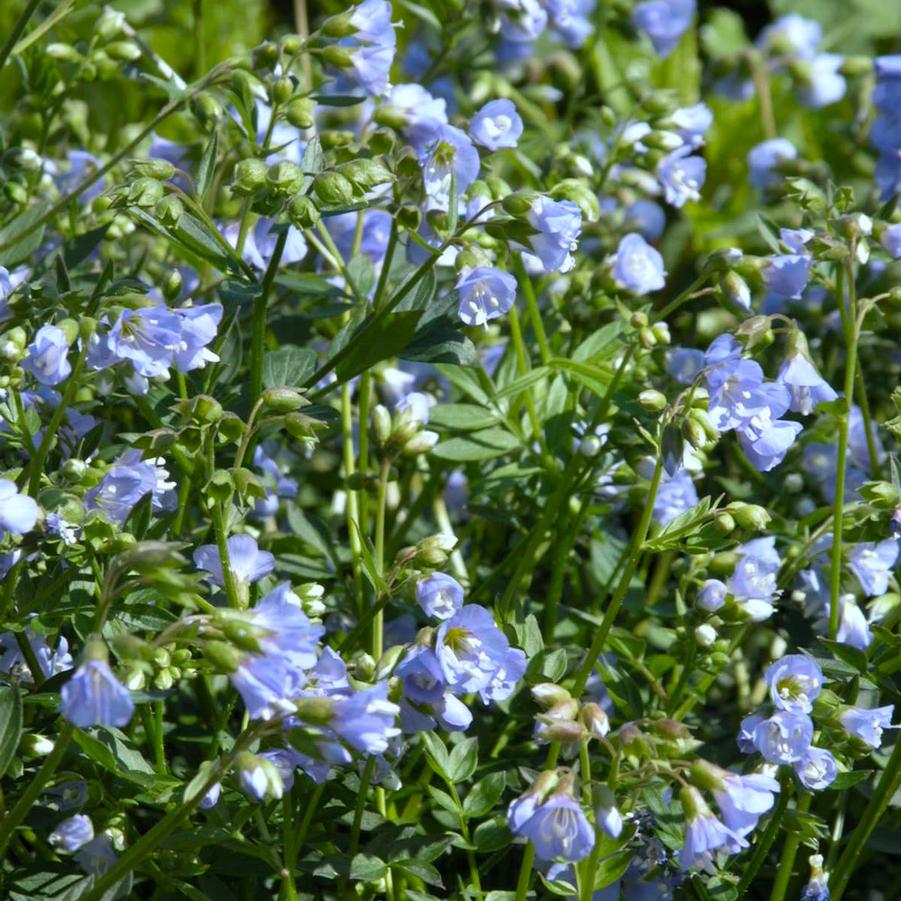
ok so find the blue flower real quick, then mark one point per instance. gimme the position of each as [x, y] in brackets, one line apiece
[496, 125]
[147, 338]
[637, 266]
[675, 496]
[765, 159]
[423, 678]
[522, 20]
[18, 512]
[72, 833]
[47, 358]
[816, 769]
[692, 123]
[890, 240]
[704, 833]
[744, 799]
[511, 668]
[557, 827]
[470, 648]
[451, 713]
[5, 290]
[753, 582]
[787, 275]
[745, 738]
[784, 737]
[439, 595]
[259, 776]
[766, 441]
[867, 725]
[97, 856]
[570, 19]
[712, 595]
[682, 176]
[557, 224]
[421, 113]
[94, 697]
[126, 483]
[664, 22]
[853, 628]
[211, 798]
[794, 682]
[823, 82]
[366, 719]
[373, 45]
[872, 563]
[246, 561]
[451, 155]
[793, 35]
[817, 889]
[647, 218]
[805, 385]
[485, 293]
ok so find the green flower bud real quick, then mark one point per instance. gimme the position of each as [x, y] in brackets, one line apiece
[207, 409]
[381, 141]
[173, 283]
[381, 425]
[338, 26]
[409, 217]
[694, 434]
[206, 108]
[162, 170]
[284, 399]
[652, 400]
[145, 192]
[333, 189]
[339, 57]
[647, 338]
[249, 177]
[285, 177]
[581, 194]
[519, 203]
[127, 51]
[420, 443]
[265, 56]
[282, 90]
[65, 52]
[724, 522]
[299, 112]
[292, 43]
[110, 24]
[639, 320]
[303, 212]
[365, 174]
[70, 329]
[169, 211]
[749, 516]
[547, 694]
[231, 428]
[705, 635]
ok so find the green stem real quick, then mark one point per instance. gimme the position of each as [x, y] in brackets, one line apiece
[365, 781]
[528, 289]
[869, 427]
[258, 347]
[789, 852]
[23, 806]
[524, 367]
[838, 509]
[147, 844]
[16, 33]
[228, 577]
[381, 509]
[352, 511]
[886, 788]
[464, 830]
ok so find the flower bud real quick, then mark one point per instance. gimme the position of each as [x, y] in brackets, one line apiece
[420, 443]
[563, 730]
[173, 283]
[333, 189]
[595, 719]
[282, 90]
[724, 522]
[303, 212]
[547, 694]
[284, 399]
[652, 400]
[381, 425]
[705, 635]
[433, 552]
[65, 52]
[109, 24]
[265, 56]
[285, 177]
[249, 177]
[299, 112]
[518, 203]
[579, 193]
[365, 174]
[694, 434]
[145, 192]
[339, 57]
[169, 211]
[206, 108]
[749, 516]
[223, 656]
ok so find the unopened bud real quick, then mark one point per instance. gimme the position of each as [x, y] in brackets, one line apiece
[652, 400]
[299, 112]
[249, 177]
[705, 635]
[595, 719]
[547, 694]
[284, 399]
[333, 189]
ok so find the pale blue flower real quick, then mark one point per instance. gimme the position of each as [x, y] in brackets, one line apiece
[470, 648]
[792, 34]
[784, 737]
[570, 18]
[449, 157]
[823, 82]
[764, 160]
[682, 175]
[744, 799]
[557, 224]
[439, 595]
[868, 724]
[664, 22]
[72, 833]
[704, 833]
[805, 385]
[794, 682]
[557, 828]
[496, 125]
[816, 769]
[47, 358]
[486, 293]
[890, 240]
[366, 719]
[872, 564]
[18, 512]
[638, 267]
[373, 45]
[94, 697]
[246, 561]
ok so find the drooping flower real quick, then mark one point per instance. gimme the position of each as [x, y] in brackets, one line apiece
[18, 512]
[764, 160]
[496, 125]
[47, 358]
[259, 776]
[890, 240]
[805, 385]
[753, 581]
[664, 22]
[853, 628]
[95, 697]
[744, 799]
[794, 682]
[637, 266]
[822, 81]
[712, 595]
[570, 19]
[439, 595]
[126, 483]
[555, 823]
[372, 45]
[816, 769]
[245, 559]
[72, 833]
[676, 495]
[867, 725]
[872, 563]
[366, 719]
[470, 647]
[704, 833]
[817, 889]
[557, 224]
[486, 292]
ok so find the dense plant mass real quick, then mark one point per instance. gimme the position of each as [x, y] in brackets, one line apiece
[448, 449]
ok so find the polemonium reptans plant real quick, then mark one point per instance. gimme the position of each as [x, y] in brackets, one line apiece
[449, 450]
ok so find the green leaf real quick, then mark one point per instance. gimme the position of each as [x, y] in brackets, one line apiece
[483, 445]
[463, 760]
[377, 340]
[436, 754]
[366, 868]
[421, 870]
[846, 780]
[10, 724]
[484, 795]
[492, 835]
[207, 168]
[75, 250]
[462, 417]
[844, 652]
[288, 366]
[20, 249]
[612, 868]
